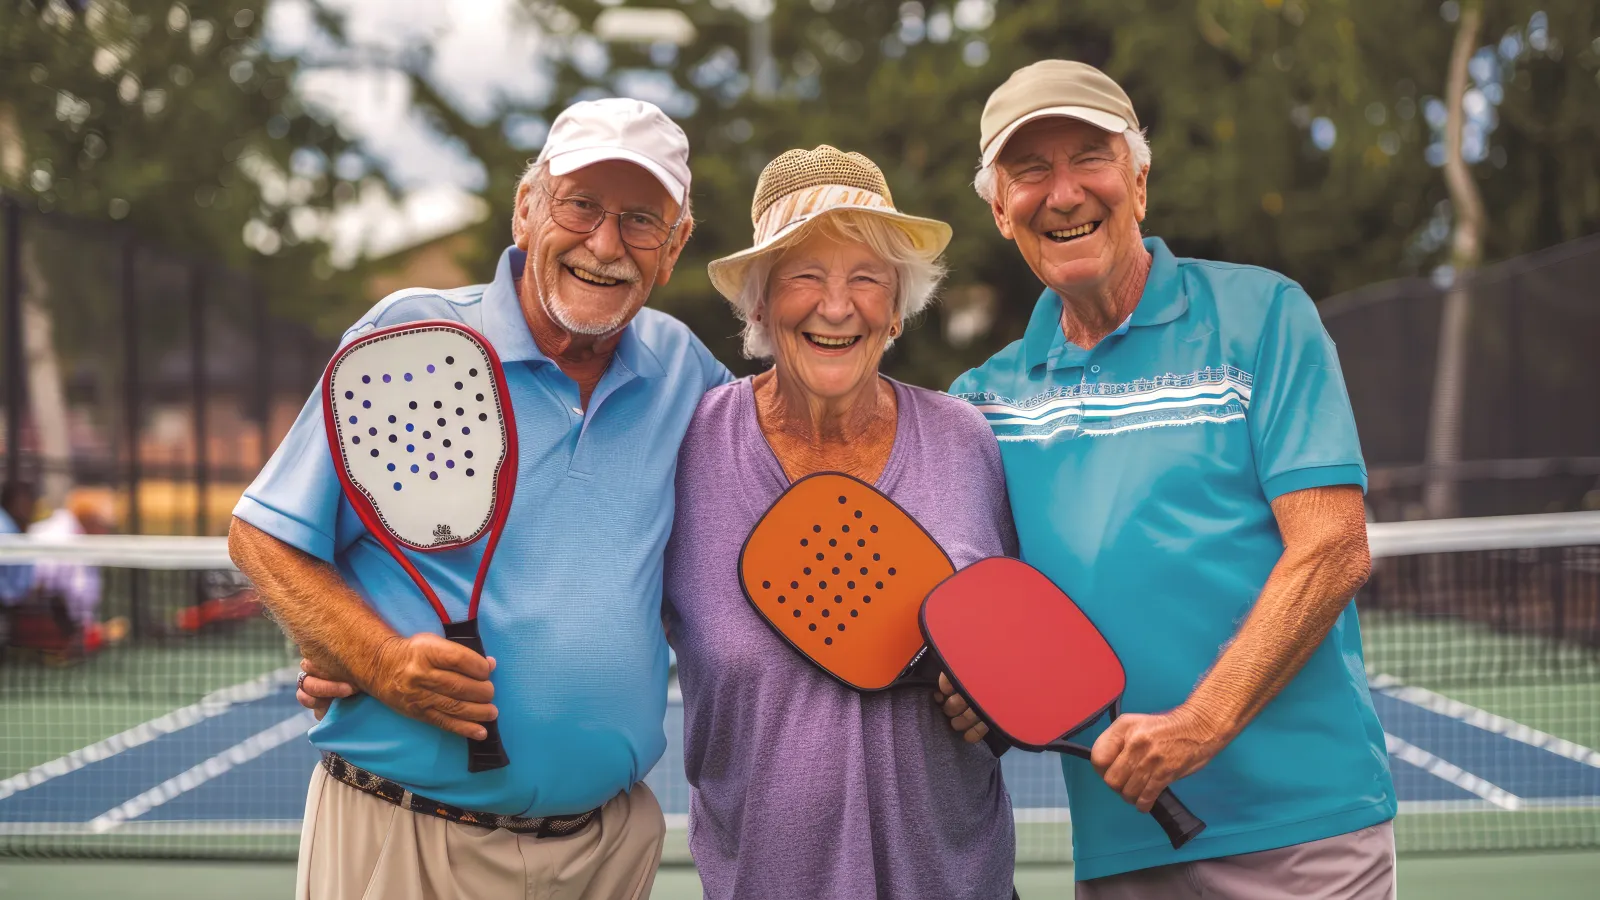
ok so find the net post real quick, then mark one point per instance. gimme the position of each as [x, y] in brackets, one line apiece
[15, 370]
[197, 386]
[263, 364]
[130, 415]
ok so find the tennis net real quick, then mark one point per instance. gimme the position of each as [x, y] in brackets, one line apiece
[169, 728]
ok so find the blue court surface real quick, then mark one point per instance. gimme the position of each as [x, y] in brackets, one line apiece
[238, 763]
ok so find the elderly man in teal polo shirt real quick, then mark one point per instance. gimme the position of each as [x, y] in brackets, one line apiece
[1182, 460]
[603, 391]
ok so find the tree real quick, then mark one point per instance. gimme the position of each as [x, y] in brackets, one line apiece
[171, 119]
[1290, 134]
[1466, 252]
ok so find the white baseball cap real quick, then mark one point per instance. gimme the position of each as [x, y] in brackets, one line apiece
[619, 128]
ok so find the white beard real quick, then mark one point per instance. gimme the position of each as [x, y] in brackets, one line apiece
[550, 298]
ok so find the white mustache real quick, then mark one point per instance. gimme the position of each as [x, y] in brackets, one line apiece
[621, 270]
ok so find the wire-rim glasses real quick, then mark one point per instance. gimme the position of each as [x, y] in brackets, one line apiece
[581, 215]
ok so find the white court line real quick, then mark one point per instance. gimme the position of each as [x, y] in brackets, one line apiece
[1484, 720]
[237, 755]
[158, 828]
[1452, 773]
[211, 705]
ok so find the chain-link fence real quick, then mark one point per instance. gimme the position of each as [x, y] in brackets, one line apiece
[1530, 424]
[148, 384]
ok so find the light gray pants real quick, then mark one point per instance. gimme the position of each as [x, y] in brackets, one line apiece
[1354, 866]
[355, 846]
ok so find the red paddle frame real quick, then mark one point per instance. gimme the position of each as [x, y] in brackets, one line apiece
[505, 472]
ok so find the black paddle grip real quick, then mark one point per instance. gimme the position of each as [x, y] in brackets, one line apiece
[997, 744]
[488, 753]
[1175, 819]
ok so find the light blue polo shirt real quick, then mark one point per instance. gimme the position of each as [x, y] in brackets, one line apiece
[1140, 474]
[572, 606]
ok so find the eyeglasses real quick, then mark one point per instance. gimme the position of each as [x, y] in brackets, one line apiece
[580, 215]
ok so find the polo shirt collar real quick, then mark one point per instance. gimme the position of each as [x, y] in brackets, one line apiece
[507, 328]
[1163, 301]
[1164, 298]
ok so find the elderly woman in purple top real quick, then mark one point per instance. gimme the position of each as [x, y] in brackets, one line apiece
[802, 788]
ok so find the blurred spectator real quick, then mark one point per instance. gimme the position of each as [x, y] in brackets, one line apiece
[75, 587]
[17, 502]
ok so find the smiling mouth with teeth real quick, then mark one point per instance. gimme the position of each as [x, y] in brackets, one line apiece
[832, 343]
[1072, 234]
[592, 278]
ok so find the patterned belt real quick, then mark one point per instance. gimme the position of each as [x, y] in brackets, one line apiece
[340, 769]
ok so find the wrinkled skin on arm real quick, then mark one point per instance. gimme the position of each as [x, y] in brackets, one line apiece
[349, 647]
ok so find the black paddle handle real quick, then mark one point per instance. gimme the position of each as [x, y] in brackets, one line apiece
[1175, 819]
[488, 753]
[997, 744]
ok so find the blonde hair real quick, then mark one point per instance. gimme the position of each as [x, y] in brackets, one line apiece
[917, 278]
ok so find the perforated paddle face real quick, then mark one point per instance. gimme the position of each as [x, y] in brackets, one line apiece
[421, 430]
[1021, 650]
[840, 571]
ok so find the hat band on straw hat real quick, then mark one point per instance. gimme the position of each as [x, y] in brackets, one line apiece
[795, 209]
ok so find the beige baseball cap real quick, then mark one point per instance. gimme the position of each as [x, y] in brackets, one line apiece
[1053, 87]
[620, 128]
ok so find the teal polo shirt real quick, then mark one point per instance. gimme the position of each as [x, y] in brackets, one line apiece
[571, 609]
[1141, 474]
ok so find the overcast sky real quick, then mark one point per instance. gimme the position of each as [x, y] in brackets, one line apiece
[481, 50]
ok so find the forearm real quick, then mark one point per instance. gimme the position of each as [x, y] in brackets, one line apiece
[1325, 561]
[332, 624]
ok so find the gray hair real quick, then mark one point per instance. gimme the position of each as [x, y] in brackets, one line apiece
[986, 181]
[917, 278]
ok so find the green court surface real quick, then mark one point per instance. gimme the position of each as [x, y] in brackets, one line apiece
[1549, 876]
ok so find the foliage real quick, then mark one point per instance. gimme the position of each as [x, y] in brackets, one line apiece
[170, 118]
[1240, 97]
[1296, 135]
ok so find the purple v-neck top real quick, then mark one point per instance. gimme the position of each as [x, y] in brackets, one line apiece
[800, 787]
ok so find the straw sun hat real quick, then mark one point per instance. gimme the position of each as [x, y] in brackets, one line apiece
[801, 186]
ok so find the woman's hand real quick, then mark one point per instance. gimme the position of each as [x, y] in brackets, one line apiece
[955, 706]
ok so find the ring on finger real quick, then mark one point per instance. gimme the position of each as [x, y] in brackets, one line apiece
[300, 682]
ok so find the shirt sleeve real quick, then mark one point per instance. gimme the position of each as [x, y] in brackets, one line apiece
[716, 373]
[296, 497]
[1302, 428]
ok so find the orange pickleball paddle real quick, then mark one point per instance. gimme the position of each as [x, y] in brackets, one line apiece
[840, 571]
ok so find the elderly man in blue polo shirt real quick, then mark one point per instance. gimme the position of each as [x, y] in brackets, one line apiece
[1182, 460]
[576, 671]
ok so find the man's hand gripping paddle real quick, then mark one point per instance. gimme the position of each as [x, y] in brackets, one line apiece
[424, 441]
[839, 571]
[1031, 664]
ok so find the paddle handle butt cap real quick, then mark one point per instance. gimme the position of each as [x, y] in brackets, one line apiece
[1175, 819]
[489, 753]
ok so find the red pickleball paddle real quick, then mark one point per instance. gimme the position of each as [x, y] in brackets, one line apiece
[1031, 664]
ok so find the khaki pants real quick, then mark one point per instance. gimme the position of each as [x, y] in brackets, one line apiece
[1354, 866]
[355, 846]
